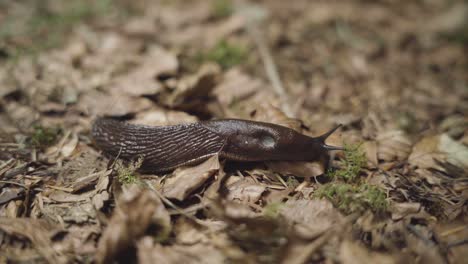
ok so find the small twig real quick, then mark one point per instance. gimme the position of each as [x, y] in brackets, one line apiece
[453, 231]
[173, 206]
[270, 67]
[458, 243]
[14, 183]
[281, 180]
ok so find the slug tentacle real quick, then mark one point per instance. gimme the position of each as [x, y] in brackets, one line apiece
[324, 137]
[164, 148]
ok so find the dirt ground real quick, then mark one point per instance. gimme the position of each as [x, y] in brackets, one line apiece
[394, 73]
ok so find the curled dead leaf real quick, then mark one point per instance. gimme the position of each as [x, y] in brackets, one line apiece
[353, 253]
[161, 117]
[441, 148]
[102, 104]
[245, 191]
[393, 145]
[192, 89]
[187, 179]
[149, 252]
[310, 218]
[137, 210]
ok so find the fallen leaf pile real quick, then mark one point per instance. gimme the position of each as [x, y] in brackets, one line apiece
[393, 73]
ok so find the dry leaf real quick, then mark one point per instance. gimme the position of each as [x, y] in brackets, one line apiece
[302, 169]
[101, 104]
[191, 89]
[149, 252]
[236, 86]
[245, 191]
[161, 117]
[310, 218]
[393, 145]
[441, 148]
[143, 79]
[137, 210]
[187, 179]
[353, 253]
[370, 149]
[400, 210]
[38, 232]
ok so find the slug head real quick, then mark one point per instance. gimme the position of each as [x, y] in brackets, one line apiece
[257, 141]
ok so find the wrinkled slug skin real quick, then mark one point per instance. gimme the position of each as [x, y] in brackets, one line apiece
[164, 148]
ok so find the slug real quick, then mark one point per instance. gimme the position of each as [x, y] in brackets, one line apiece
[164, 148]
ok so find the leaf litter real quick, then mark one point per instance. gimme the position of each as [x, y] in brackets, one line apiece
[398, 193]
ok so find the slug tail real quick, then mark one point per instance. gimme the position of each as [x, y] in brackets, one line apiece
[324, 137]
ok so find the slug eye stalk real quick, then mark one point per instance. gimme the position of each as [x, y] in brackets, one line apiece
[324, 137]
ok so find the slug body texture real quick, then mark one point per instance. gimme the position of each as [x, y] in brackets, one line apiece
[164, 148]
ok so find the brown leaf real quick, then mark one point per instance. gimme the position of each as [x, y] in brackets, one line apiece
[441, 148]
[160, 117]
[400, 210]
[271, 114]
[393, 145]
[236, 86]
[245, 190]
[370, 149]
[101, 104]
[149, 252]
[38, 232]
[353, 253]
[187, 179]
[191, 89]
[310, 218]
[137, 210]
[142, 80]
[302, 169]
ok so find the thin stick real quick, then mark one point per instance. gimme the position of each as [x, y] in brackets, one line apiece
[173, 206]
[270, 67]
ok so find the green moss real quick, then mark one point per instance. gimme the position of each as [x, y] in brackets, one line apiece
[225, 54]
[43, 137]
[127, 174]
[272, 210]
[354, 198]
[222, 8]
[46, 28]
[292, 182]
[351, 165]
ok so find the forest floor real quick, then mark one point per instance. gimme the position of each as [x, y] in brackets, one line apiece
[394, 73]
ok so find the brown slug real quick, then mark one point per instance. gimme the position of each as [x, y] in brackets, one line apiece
[164, 148]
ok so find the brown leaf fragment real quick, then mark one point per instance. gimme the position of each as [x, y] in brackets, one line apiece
[393, 145]
[98, 103]
[142, 80]
[193, 88]
[161, 117]
[400, 210]
[187, 179]
[353, 253]
[441, 148]
[38, 232]
[454, 235]
[8, 194]
[370, 149]
[137, 210]
[302, 169]
[236, 86]
[267, 112]
[148, 253]
[310, 218]
[245, 191]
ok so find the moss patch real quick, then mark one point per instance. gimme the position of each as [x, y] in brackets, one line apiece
[126, 174]
[225, 54]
